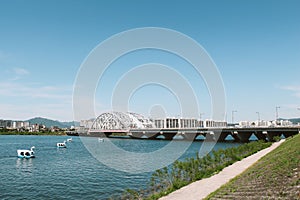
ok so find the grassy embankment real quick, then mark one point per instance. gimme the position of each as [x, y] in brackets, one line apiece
[181, 173]
[275, 176]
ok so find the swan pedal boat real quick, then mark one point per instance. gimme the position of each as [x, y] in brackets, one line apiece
[61, 145]
[26, 153]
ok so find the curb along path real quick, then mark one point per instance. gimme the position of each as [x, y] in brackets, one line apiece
[202, 188]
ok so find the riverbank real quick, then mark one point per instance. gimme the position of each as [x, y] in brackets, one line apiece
[200, 189]
[275, 176]
[33, 133]
[182, 173]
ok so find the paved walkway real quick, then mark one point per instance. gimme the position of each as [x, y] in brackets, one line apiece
[202, 188]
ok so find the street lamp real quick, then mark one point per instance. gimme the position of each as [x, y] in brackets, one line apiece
[277, 107]
[258, 115]
[201, 114]
[232, 115]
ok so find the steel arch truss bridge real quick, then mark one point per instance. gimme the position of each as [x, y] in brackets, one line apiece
[110, 122]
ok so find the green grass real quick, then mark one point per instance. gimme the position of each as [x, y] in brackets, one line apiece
[181, 173]
[275, 176]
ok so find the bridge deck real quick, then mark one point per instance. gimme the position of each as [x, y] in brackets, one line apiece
[240, 134]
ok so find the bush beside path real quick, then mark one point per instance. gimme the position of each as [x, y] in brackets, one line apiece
[275, 176]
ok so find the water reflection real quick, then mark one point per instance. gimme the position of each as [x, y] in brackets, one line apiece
[24, 165]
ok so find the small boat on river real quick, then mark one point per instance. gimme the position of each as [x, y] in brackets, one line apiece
[69, 140]
[61, 145]
[26, 153]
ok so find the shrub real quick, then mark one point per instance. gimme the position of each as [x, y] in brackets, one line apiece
[181, 173]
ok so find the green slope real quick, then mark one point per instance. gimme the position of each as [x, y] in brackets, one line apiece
[275, 176]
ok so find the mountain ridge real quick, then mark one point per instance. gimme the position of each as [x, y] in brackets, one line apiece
[293, 120]
[49, 122]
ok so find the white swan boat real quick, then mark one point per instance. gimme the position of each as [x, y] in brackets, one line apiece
[61, 145]
[26, 153]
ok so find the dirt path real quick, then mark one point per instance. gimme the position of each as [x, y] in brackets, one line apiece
[202, 188]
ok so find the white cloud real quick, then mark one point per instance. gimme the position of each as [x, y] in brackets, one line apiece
[56, 111]
[14, 89]
[20, 71]
[26, 100]
[289, 110]
[293, 88]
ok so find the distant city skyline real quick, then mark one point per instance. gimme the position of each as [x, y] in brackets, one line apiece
[254, 44]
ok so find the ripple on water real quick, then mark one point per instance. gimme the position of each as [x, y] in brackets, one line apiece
[70, 173]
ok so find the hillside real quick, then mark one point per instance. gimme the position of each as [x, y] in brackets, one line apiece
[275, 176]
[293, 120]
[49, 122]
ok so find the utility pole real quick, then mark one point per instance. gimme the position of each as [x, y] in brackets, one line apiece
[232, 115]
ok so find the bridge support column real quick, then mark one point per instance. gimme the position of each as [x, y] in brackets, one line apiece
[221, 136]
[95, 134]
[152, 136]
[289, 134]
[189, 135]
[210, 136]
[107, 134]
[261, 135]
[241, 136]
[137, 135]
[169, 136]
[234, 134]
[272, 134]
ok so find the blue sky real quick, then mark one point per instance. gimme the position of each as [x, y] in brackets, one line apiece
[255, 45]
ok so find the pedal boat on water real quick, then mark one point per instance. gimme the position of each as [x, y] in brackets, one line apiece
[61, 145]
[26, 153]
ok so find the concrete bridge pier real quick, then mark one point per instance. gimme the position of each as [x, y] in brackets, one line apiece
[290, 133]
[96, 134]
[152, 136]
[137, 135]
[189, 135]
[107, 134]
[272, 134]
[210, 136]
[221, 135]
[169, 136]
[242, 136]
[261, 135]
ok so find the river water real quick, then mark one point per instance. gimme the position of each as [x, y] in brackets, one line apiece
[71, 173]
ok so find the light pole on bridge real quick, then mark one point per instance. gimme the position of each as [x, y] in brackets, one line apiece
[258, 115]
[200, 115]
[232, 115]
[277, 107]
